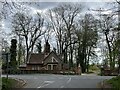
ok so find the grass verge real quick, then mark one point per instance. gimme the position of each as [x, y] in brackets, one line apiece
[115, 82]
[10, 83]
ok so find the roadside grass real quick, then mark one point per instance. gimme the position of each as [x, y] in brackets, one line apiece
[115, 82]
[7, 84]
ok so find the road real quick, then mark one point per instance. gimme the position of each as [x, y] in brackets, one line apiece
[61, 81]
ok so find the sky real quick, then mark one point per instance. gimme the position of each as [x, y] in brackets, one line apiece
[43, 6]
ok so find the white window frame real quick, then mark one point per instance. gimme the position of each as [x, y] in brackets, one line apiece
[33, 68]
[51, 66]
[38, 68]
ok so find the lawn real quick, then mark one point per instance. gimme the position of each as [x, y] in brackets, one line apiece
[115, 82]
[8, 84]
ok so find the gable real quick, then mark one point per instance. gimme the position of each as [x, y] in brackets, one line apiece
[52, 58]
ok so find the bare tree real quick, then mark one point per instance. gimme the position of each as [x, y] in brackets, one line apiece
[10, 7]
[58, 28]
[63, 18]
[110, 30]
[29, 28]
[107, 26]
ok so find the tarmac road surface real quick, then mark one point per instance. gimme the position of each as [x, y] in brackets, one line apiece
[61, 81]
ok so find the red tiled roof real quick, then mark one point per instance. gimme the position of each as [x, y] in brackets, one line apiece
[36, 58]
[39, 58]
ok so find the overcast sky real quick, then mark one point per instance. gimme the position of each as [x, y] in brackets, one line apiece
[42, 6]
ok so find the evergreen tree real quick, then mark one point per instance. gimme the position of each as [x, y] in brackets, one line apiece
[13, 53]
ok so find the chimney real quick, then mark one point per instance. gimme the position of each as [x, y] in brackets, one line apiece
[46, 48]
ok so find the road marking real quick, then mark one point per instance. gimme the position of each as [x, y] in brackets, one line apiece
[69, 80]
[39, 87]
[43, 85]
[49, 81]
[46, 83]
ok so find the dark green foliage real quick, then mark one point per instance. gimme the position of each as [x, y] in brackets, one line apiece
[115, 82]
[13, 53]
[20, 53]
[87, 38]
[7, 84]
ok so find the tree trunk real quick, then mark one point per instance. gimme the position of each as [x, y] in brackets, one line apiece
[110, 52]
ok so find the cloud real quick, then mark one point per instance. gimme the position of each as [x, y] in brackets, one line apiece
[41, 5]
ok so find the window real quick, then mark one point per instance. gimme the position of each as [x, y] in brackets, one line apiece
[35, 68]
[54, 67]
[32, 67]
[38, 68]
[49, 67]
